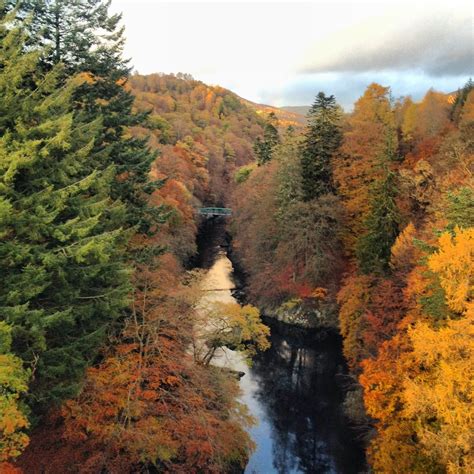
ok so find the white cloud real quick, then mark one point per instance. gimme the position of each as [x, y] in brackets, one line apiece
[438, 44]
[264, 50]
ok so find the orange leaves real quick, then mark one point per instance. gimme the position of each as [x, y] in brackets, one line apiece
[454, 264]
[172, 380]
[403, 253]
[382, 378]
[319, 293]
[356, 167]
[85, 77]
[353, 299]
[13, 383]
[7, 468]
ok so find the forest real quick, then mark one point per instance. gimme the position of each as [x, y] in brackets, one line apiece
[358, 222]
[365, 222]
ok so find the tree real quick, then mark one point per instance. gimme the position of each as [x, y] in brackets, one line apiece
[264, 147]
[13, 383]
[460, 100]
[440, 398]
[322, 139]
[353, 299]
[228, 325]
[309, 240]
[84, 38]
[374, 246]
[64, 279]
[452, 262]
[381, 225]
[147, 405]
[356, 165]
[460, 206]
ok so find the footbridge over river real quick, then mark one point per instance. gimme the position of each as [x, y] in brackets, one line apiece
[214, 211]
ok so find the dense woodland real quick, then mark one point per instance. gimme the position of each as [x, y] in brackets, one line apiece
[365, 222]
[101, 173]
[360, 221]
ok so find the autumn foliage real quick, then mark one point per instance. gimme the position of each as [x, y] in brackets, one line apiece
[401, 236]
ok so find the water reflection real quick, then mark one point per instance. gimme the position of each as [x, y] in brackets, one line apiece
[294, 389]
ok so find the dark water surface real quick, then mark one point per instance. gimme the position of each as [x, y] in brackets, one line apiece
[295, 390]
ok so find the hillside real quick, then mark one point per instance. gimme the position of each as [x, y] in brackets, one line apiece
[296, 109]
[211, 123]
[285, 116]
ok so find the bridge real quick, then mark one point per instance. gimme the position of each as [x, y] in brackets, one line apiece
[214, 211]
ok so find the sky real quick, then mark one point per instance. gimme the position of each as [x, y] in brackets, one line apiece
[284, 53]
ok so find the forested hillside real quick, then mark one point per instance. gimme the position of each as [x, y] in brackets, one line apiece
[365, 223]
[101, 175]
[202, 134]
[356, 223]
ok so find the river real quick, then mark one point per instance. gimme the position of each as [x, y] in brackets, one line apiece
[294, 390]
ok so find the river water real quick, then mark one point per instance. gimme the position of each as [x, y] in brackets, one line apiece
[294, 390]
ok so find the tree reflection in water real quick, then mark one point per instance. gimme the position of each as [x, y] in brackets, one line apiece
[299, 387]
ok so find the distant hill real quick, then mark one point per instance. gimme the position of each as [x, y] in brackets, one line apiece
[285, 117]
[203, 133]
[297, 109]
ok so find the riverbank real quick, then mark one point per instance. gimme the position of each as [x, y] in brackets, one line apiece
[295, 390]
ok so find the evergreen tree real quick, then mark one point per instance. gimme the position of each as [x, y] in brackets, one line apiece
[64, 279]
[81, 35]
[382, 223]
[264, 148]
[460, 99]
[323, 137]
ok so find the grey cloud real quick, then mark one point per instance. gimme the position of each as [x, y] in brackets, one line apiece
[435, 46]
[348, 88]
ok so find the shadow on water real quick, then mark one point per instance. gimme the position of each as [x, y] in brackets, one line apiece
[294, 390]
[212, 237]
[298, 397]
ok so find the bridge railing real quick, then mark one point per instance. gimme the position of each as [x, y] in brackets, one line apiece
[214, 211]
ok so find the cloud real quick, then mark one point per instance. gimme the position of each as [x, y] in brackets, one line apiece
[302, 89]
[432, 43]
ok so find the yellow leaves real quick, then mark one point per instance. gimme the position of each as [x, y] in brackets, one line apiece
[85, 77]
[453, 263]
[441, 396]
[229, 325]
[403, 250]
[13, 382]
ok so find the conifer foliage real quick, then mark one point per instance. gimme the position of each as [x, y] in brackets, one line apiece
[91, 302]
[74, 188]
[322, 138]
[264, 147]
[405, 299]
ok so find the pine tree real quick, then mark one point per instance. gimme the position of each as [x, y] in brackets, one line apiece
[264, 147]
[81, 35]
[64, 280]
[460, 99]
[373, 248]
[323, 137]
